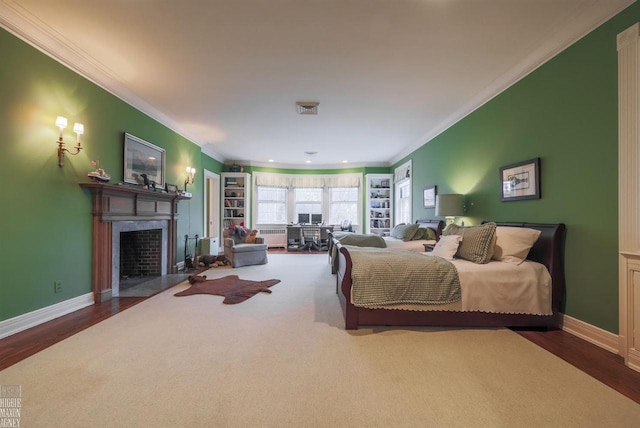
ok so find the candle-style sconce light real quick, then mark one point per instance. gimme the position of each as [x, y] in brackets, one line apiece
[189, 177]
[78, 128]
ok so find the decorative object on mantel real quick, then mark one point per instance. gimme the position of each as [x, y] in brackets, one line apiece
[99, 174]
[78, 128]
[143, 162]
[234, 289]
[520, 181]
[171, 188]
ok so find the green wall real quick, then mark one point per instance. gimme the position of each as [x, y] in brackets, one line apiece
[45, 223]
[565, 112]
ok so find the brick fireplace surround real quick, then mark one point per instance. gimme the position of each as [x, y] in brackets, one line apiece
[122, 208]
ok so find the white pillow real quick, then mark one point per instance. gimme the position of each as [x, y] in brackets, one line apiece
[513, 243]
[447, 246]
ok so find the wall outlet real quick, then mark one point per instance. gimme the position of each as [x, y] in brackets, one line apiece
[57, 286]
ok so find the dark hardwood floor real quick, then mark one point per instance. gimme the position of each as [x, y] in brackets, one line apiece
[605, 366]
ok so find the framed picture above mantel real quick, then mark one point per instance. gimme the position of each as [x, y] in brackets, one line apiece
[143, 160]
[520, 181]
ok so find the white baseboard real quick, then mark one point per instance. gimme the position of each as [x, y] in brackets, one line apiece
[591, 333]
[39, 316]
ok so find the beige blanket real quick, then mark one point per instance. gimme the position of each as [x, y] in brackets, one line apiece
[389, 277]
[497, 287]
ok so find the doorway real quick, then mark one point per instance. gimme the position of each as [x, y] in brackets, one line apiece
[211, 205]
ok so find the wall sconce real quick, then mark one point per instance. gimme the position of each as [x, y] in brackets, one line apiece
[189, 178]
[449, 206]
[78, 128]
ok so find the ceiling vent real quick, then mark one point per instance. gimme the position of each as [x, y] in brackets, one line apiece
[305, 107]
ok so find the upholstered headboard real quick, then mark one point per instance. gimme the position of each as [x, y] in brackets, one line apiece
[436, 225]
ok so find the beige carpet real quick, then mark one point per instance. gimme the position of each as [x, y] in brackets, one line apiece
[284, 360]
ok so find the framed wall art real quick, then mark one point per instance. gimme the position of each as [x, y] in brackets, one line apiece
[141, 159]
[520, 181]
[171, 188]
[429, 196]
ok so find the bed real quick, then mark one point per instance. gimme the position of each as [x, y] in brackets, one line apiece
[546, 254]
[436, 226]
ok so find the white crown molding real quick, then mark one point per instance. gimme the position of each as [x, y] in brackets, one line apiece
[207, 150]
[564, 38]
[17, 20]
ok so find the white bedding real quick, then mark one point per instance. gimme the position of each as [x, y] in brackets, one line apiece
[497, 287]
[417, 245]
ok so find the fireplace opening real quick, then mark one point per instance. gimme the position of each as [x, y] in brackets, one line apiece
[140, 256]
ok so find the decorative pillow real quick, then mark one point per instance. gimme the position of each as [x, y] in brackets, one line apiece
[405, 231]
[396, 230]
[513, 243]
[478, 241]
[425, 233]
[447, 246]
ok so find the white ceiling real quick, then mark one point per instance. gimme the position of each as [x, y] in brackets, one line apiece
[389, 75]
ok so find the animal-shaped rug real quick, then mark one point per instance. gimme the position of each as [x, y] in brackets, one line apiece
[234, 289]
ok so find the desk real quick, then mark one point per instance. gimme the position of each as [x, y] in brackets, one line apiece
[308, 237]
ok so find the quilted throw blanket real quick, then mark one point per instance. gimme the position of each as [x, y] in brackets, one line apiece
[389, 277]
[358, 240]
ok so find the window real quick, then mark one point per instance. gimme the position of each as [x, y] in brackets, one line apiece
[279, 199]
[403, 193]
[307, 201]
[404, 202]
[343, 205]
[272, 205]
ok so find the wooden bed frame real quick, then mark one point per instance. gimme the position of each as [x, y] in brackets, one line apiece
[548, 250]
[436, 225]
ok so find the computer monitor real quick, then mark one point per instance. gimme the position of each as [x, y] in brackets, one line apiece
[316, 218]
[303, 218]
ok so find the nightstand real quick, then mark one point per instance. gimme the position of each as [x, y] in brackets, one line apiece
[428, 247]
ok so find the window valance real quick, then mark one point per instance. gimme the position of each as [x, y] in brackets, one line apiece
[307, 181]
[403, 172]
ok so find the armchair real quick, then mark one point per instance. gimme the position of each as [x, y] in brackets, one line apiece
[241, 253]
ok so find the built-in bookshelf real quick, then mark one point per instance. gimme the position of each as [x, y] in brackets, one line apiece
[235, 199]
[379, 208]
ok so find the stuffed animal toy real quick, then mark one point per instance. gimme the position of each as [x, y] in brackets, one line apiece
[213, 261]
[196, 278]
[251, 237]
[207, 260]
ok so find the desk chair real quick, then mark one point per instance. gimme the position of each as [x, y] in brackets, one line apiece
[325, 237]
[310, 236]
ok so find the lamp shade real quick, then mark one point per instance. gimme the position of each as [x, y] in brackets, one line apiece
[449, 205]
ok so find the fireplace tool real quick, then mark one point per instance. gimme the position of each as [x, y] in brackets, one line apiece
[190, 262]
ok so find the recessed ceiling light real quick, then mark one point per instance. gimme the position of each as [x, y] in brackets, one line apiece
[307, 161]
[345, 161]
[270, 160]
